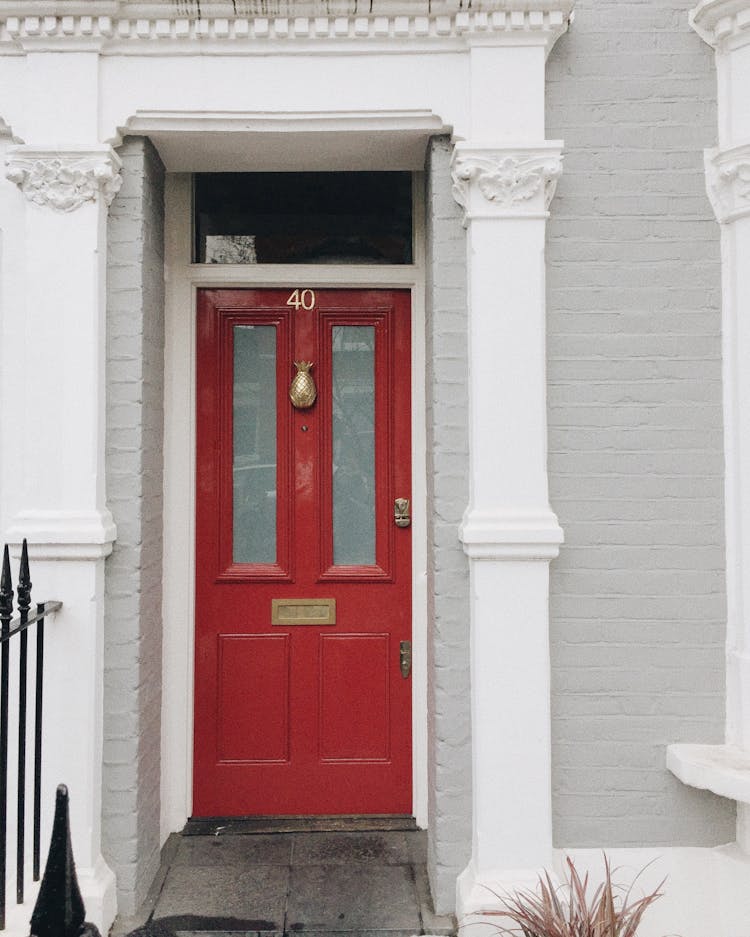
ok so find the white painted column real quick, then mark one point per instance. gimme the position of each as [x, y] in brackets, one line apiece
[725, 24]
[64, 180]
[728, 177]
[505, 178]
[509, 531]
[56, 420]
[725, 769]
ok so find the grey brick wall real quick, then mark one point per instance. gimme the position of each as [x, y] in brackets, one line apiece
[447, 565]
[132, 670]
[635, 429]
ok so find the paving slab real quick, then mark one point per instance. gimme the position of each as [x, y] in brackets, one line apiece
[228, 933]
[352, 897]
[253, 898]
[192, 926]
[220, 933]
[236, 851]
[356, 933]
[345, 848]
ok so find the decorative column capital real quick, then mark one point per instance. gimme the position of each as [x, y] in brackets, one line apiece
[728, 182]
[506, 181]
[722, 22]
[64, 179]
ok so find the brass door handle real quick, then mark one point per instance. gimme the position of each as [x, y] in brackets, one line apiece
[402, 513]
[404, 659]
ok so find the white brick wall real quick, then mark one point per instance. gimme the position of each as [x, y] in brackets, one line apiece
[448, 495]
[635, 428]
[132, 674]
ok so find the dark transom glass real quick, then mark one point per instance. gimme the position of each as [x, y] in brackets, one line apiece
[303, 218]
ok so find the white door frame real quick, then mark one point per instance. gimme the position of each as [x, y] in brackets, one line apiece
[183, 280]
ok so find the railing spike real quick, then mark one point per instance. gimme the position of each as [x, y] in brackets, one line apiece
[24, 580]
[59, 909]
[6, 587]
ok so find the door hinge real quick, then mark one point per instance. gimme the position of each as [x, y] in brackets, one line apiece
[405, 659]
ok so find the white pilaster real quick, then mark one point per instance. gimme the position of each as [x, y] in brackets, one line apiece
[57, 422]
[728, 182]
[725, 769]
[725, 24]
[509, 531]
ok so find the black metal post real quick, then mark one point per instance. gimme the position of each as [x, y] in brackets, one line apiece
[6, 613]
[24, 603]
[59, 909]
[38, 738]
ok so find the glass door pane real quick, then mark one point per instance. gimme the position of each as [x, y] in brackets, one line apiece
[254, 434]
[353, 433]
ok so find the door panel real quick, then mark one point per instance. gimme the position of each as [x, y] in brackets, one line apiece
[246, 662]
[354, 711]
[303, 581]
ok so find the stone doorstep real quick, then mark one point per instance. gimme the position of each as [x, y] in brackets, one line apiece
[312, 884]
[337, 824]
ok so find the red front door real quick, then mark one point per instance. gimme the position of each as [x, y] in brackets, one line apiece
[303, 577]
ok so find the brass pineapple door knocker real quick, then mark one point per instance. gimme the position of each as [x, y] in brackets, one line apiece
[303, 391]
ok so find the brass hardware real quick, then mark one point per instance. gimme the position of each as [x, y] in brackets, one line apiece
[303, 612]
[303, 391]
[402, 514]
[405, 659]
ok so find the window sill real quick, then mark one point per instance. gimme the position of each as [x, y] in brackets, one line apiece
[723, 769]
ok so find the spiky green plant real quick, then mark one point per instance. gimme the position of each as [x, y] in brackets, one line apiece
[569, 911]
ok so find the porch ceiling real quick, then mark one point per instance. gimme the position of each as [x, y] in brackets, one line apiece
[288, 143]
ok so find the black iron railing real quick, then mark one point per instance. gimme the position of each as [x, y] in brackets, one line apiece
[9, 628]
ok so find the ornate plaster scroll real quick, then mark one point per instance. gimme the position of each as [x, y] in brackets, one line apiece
[723, 24]
[728, 182]
[510, 181]
[66, 180]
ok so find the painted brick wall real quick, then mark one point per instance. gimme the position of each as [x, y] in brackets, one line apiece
[635, 431]
[447, 566]
[132, 673]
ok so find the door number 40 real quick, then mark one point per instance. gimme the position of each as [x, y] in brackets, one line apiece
[302, 299]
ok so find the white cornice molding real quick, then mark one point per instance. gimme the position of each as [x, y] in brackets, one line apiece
[145, 122]
[197, 9]
[65, 535]
[728, 182]
[64, 179]
[511, 537]
[506, 181]
[154, 28]
[722, 22]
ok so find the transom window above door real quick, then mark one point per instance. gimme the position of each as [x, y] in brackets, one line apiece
[303, 218]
